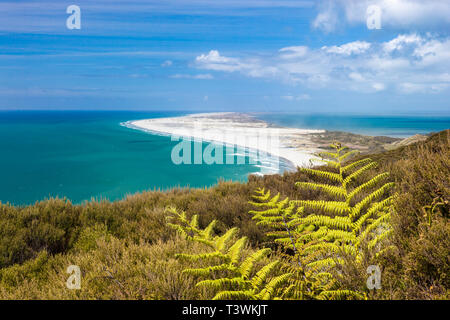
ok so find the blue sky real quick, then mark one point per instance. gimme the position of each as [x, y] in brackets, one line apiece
[227, 55]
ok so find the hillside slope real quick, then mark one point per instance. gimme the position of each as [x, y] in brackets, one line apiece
[126, 251]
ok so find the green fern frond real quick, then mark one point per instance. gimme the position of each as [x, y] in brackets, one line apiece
[326, 154]
[194, 221]
[331, 190]
[235, 281]
[220, 284]
[347, 154]
[373, 210]
[331, 163]
[263, 274]
[333, 207]
[331, 247]
[203, 272]
[341, 294]
[261, 195]
[223, 241]
[369, 184]
[269, 291]
[323, 174]
[355, 164]
[324, 264]
[374, 195]
[358, 173]
[202, 256]
[235, 250]
[247, 266]
[337, 228]
[375, 224]
[379, 238]
[235, 295]
[337, 222]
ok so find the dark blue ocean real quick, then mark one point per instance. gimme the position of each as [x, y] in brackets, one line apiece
[83, 155]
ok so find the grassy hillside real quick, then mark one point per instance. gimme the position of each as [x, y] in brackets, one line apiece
[126, 250]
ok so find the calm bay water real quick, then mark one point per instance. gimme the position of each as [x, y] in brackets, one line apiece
[85, 155]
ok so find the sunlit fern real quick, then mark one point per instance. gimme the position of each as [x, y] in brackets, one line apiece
[232, 270]
[358, 215]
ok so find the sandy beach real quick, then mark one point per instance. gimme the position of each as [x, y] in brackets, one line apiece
[291, 145]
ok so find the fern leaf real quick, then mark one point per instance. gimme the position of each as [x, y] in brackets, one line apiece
[194, 221]
[376, 194]
[203, 256]
[341, 294]
[368, 184]
[262, 275]
[202, 272]
[374, 209]
[247, 266]
[209, 230]
[224, 283]
[358, 173]
[379, 238]
[334, 207]
[331, 190]
[269, 291]
[347, 154]
[235, 250]
[235, 295]
[323, 174]
[223, 241]
[355, 164]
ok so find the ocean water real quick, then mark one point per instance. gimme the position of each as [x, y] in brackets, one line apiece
[392, 126]
[85, 155]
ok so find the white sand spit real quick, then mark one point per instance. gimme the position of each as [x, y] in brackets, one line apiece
[238, 129]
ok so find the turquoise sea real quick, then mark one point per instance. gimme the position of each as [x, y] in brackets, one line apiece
[84, 155]
[88, 154]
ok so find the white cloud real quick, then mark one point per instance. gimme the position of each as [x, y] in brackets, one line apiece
[377, 86]
[202, 76]
[214, 61]
[167, 63]
[293, 52]
[408, 63]
[356, 47]
[303, 96]
[355, 76]
[394, 13]
[401, 41]
[408, 87]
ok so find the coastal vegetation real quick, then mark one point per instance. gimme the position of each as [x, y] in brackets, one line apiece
[309, 234]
